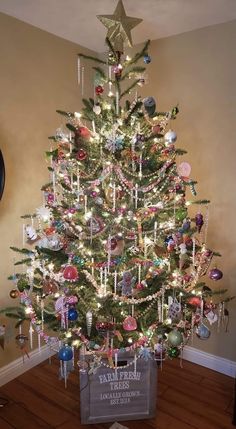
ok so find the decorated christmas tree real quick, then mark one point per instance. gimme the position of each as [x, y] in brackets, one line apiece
[113, 260]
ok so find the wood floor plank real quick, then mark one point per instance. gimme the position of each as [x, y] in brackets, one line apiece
[53, 393]
[197, 391]
[31, 400]
[18, 417]
[5, 425]
[185, 372]
[49, 374]
[166, 421]
[196, 413]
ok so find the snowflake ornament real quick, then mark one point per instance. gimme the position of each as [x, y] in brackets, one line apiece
[115, 143]
[44, 213]
[145, 354]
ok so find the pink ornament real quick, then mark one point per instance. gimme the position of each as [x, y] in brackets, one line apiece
[184, 169]
[50, 198]
[70, 273]
[60, 304]
[129, 324]
[140, 286]
[156, 129]
[72, 300]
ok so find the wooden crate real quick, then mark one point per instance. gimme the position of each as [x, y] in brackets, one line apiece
[110, 395]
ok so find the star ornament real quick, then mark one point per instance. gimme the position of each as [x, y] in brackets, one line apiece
[119, 27]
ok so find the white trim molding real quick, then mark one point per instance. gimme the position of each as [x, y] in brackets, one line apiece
[18, 366]
[217, 363]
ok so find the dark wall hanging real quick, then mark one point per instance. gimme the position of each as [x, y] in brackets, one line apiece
[2, 175]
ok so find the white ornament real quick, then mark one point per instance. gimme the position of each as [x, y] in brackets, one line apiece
[97, 109]
[182, 248]
[174, 309]
[211, 317]
[160, 205]
[31, 233]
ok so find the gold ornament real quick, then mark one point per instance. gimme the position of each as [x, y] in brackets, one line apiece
[14, 293]
[119, 27]
[50, 286]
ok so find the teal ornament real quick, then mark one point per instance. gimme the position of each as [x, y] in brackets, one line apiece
[98, 79]
[149, 105]
[202, 332]
[173, 352]
[175, 338]
[65, 353]
[79, 261]
[147, 59]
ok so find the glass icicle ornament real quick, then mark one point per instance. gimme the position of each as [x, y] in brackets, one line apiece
[89, 321]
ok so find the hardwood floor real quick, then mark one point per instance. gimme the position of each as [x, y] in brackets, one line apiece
[192, 397]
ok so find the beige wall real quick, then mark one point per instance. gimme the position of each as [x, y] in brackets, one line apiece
[37, 76]
[198, 70]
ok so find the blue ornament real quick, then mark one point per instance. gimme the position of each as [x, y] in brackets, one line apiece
[203, 332]
[65, 353]
[168, 239]
[147, 59]
[185, 226]
[149, 105]
[72, 314]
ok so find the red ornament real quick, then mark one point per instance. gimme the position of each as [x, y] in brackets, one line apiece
[70, 273]
[81, 154]
[99, 90]
[113, 243]
[49, 231]
[195, 301]
[83, 132]
[104, 328]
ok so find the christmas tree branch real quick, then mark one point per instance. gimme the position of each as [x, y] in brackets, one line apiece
[140, 54]
[129, 89]
[91, 58]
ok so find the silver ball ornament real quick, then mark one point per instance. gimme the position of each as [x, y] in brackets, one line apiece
[170, 137]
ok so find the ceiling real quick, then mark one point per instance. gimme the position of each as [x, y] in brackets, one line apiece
[75, 20]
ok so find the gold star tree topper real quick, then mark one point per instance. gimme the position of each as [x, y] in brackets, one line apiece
[119, 27]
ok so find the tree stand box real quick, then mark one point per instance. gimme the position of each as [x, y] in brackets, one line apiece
[123, 394]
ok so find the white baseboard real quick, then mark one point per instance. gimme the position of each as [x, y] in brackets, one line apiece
[219, 364]
[18, 367]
